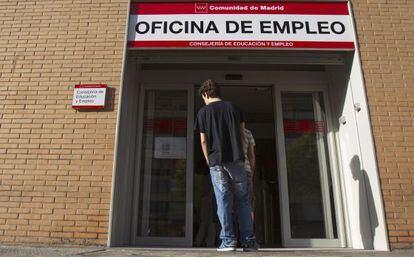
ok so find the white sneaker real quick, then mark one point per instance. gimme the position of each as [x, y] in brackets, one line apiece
[226, 248]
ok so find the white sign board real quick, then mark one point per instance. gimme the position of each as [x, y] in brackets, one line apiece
[291, 25]
[89, 96]
[170, 148]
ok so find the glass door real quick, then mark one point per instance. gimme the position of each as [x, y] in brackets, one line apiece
[310, 194]
[163, 207]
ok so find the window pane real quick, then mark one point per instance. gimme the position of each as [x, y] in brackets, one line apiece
[311, 204]
[162, 196]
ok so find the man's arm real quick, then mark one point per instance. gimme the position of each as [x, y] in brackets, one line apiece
[252, 157]
[242, 126]
[203, 141]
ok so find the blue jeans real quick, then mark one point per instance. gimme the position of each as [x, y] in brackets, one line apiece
[226, 178]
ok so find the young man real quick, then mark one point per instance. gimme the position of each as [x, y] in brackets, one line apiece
[221, 128]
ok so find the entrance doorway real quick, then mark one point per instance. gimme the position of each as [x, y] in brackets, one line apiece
[296, 183]
[295, 196]
[256, 102]
[315, 139]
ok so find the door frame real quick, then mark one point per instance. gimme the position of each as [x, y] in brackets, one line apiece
[186, 241]
[287, 241]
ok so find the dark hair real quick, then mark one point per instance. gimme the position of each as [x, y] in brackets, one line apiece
[209, 88]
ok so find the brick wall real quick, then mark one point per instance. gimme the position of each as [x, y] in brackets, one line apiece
[385, 32]
[55, 162]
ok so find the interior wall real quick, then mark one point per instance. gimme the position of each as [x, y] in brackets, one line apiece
[367, 165]
[360, 186]
[122, 202]
[345, 129]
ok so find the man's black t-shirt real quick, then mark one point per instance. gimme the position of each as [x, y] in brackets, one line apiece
[220, 121]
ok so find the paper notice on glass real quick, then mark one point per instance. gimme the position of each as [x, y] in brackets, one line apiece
[170, 148]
